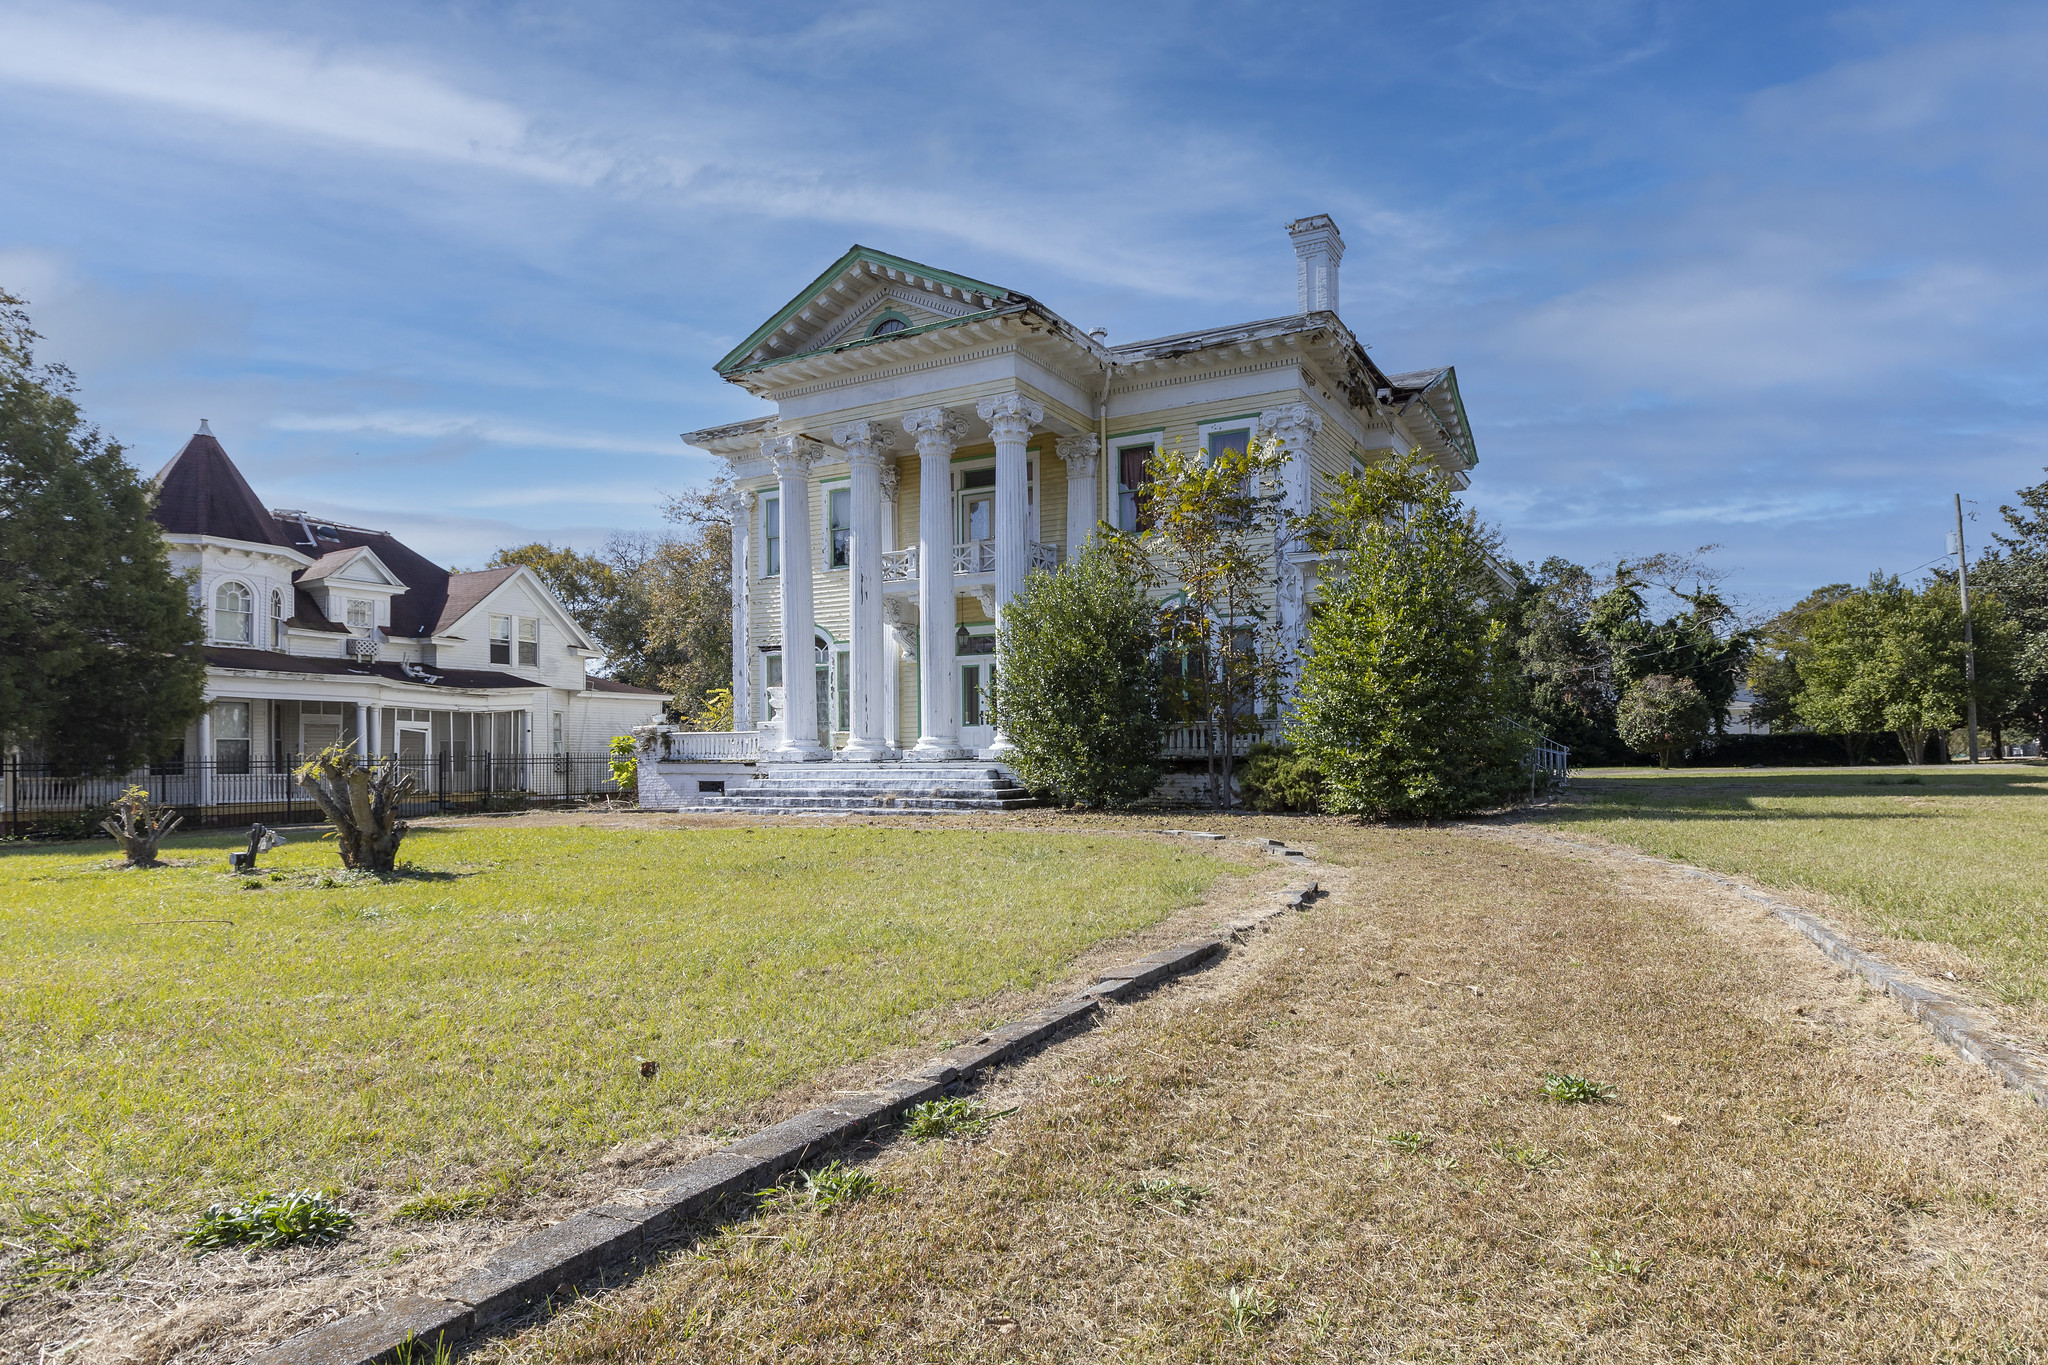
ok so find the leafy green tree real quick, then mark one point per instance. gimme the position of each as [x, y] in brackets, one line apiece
[1567, 671]
[2017, 572]
[1076, 685]
[659, 606]
[1663, 715]
[1408, 687]
[1774, 676]
[1890, 658]
[1701, 643]
[1211, 522]
[101, 666]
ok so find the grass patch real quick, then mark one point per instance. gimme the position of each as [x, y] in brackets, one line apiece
[271, 1220]
[181, 1035]
[823, 1190]
[1564, 1088]
[1953, 858]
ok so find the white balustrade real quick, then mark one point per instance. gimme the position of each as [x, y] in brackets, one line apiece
[1044, 556]
[1193, 741]
[899, 566]
[711, 744]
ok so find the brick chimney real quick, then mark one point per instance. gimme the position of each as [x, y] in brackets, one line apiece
[1318, 247]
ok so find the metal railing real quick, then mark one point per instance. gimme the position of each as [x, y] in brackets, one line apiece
[1548, 763]
[37, 797]
[728, 745]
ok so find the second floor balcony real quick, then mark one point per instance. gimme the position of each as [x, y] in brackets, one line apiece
[971, 560]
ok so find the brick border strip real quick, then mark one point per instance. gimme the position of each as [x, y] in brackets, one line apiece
[556, 1257]
[1971, 1031]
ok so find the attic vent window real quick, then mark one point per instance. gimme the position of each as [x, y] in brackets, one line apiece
[888, 325]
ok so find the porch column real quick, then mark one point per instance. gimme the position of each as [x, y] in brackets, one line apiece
[936, 431]
[793, 457]
[740, 506]
[1295, 426]
[1082, 458]
[206, 755]
[1011, 417]
[892, 643]
[866, 445]
[363, 731]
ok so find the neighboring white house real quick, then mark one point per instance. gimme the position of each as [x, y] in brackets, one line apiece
[934, 438]
[318, 632]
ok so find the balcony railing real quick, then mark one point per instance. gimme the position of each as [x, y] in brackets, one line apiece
[974, 557]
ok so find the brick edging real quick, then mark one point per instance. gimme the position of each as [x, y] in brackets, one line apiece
[556, 1257]
[1963, 1026]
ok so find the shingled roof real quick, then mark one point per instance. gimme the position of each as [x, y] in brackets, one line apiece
[201, 493]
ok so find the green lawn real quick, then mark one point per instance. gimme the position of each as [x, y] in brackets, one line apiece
[171, 1036]
[1936, 854]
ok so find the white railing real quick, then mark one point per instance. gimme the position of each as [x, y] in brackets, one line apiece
[1046, 557]
[976, 556]
[898, 565]
[710, 744]
[1193, 741]
[1548, 763]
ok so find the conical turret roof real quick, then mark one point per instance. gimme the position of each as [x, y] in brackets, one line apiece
[201, 493]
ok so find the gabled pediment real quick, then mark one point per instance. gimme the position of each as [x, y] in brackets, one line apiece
[358, 566]
[860, 292]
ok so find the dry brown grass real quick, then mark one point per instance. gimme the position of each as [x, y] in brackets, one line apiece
[1789, 1170]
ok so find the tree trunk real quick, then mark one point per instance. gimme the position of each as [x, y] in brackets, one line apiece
[361, 802]
[139, 827]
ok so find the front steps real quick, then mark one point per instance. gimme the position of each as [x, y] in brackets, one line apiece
[869, 788]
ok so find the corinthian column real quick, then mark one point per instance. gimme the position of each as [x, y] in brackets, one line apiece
[1082, 457]
[1011, 417]
[739, 505]
[937, 431]
[1295, 426]
[866, 445]
[792, 457]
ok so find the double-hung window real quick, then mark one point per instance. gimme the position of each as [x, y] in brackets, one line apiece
[1134, 480]
[839, 525]
[231, 736]
[771, 537]
[529, 643]
[1217, 442]
[501, 639]
[233, 611]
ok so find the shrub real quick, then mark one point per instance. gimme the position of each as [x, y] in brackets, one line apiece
[1663, 715]
[1276, 778]
[1408, 686]
[625, 762]
[1076, 688]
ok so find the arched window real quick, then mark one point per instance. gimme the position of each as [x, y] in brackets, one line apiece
[886, 326]
[232, 609]
[276, 620]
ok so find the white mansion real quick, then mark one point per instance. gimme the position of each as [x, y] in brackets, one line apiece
[934, 438]
[319, 632]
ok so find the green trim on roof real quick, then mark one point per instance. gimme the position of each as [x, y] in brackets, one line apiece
[735, 359]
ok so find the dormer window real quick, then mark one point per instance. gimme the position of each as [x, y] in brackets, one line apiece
[361, 614]
[233, 608]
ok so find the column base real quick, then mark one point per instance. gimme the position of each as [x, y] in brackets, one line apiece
[931, 750]
[799, 753]
[858, 751]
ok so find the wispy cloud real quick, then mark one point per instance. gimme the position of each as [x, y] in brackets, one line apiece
[440, 426]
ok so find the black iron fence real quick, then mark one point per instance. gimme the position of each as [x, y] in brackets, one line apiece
[36, 798]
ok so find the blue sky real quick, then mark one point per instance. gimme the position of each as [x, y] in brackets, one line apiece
[1767, 276]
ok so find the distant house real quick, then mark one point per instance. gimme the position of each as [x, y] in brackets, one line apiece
[318, 632]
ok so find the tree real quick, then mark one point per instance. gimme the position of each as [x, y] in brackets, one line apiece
[100, 661]
[1567, 671]
[1664, 715]
[1889, 657]
[1212, 522]
[1076, 684]
[2017, 573]
[1408, 687]
[361, 800]
[1774, 676]
[1701, 643]
[659, 606]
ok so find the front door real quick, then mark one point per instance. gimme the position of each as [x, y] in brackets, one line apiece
[412, 756]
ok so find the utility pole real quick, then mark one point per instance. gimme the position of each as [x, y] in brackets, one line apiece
[1969, 637]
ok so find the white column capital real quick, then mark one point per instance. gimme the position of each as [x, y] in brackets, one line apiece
[1011, 416]
[865, 441]
[1080, 454]
[936, 430]
[1292, 424]
[792, 455]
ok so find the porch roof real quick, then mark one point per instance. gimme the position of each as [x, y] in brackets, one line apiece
[444, 679]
